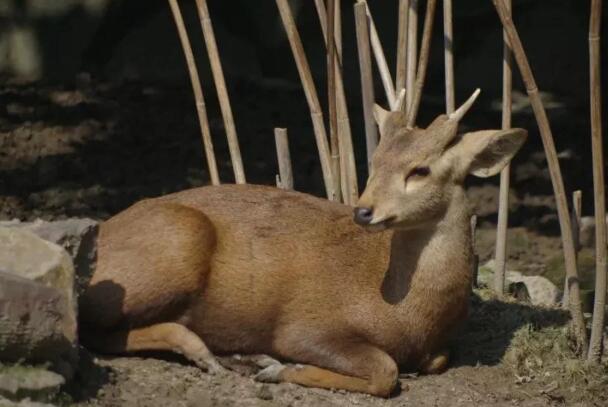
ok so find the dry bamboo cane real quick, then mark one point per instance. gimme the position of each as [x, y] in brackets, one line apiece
[367, 80]
[448, 54]
[336, 169]
[350, 185]
[311, 94]
[577, 203]
[385, 74]
[412, 50]
[222, 91]
[350, 189]
[197, 89]
[412, 111]
[597, 325]
[503, 196]
[401, 71]
[285, 177]
[554, 170]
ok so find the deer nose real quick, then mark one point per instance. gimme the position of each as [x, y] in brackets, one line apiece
[363, 216]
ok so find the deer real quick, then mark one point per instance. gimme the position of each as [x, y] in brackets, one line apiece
[337, 297]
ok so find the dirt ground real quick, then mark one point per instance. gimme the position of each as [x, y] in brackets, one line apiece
[92, 148]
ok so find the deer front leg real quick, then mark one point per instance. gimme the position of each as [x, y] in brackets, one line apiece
[167, 336]
[357, 367]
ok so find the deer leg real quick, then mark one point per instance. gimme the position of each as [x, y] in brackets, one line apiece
[168, 336]
[358, 367]
[436, 363]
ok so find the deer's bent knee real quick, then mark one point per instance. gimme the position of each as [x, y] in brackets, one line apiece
[384, 379]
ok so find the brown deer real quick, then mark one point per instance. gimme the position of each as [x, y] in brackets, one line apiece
[258, 270]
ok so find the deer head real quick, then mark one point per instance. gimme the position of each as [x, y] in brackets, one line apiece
[415, 172]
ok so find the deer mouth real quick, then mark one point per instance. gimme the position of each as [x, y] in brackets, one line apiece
[381, 225]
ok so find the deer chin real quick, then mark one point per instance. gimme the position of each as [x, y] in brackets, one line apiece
[380, 225]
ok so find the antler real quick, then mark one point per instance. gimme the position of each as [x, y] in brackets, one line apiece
[462, 110]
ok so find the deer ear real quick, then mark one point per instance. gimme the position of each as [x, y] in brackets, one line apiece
[380, 115]
[485, 153]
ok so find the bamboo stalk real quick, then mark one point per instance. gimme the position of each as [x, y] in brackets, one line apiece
[350, 185]
[577, 204]
[222, 91]
[554, 170]
[503, 197]
[401, 71]
[350, 189]
[311, 94]
[412, 111]
[331, 96]
[197, 89]
[448, 54]
[412, 50]
[338, 30]
[385, 74]
[285, 177]
[597, 325]
[367, 80]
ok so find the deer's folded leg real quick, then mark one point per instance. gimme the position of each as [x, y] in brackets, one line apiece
[356, 367]
[168, 336]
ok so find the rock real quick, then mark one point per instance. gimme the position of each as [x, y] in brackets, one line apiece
[77, 236]
[37, 300]
[264, 392]
[36, 323]
[23, 403]
[24, 382]
[539, 290]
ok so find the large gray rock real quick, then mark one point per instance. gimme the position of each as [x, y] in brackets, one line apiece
[78, 236]
[37, 300]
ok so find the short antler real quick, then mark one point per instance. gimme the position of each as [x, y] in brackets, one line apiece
[462, 110]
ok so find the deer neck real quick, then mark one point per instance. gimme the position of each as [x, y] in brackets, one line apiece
[431, 257]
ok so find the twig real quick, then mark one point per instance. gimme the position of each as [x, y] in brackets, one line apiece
[198, 92]
[597, 325]
[311, 94]
[401, 72]
[385, 74]
[448, 51]
[331, 96]
[503, 199]
[222, 91]
[285, 177]
[350, 189]
[367, 80]
[412, 111]
[577, 203]
[554, 170]
[412, 51]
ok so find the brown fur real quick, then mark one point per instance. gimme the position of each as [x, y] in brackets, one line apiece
[253, 269]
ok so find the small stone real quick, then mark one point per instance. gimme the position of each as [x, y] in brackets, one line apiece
[264, 392]
[19, 382]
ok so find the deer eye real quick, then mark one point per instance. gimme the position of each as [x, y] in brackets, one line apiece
[419, 172]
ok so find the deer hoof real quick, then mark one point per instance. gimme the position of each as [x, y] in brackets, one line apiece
[270, 374]
[264, 361]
